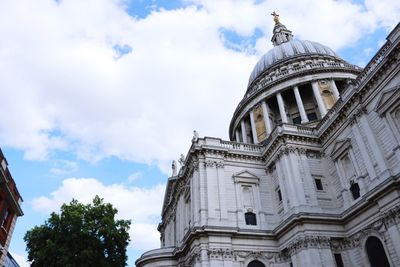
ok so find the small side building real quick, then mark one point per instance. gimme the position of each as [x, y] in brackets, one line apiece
[10, 207]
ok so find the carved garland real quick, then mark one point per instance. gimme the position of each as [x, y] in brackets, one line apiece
[379, 227]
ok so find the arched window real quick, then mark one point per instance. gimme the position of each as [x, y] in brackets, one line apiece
[376, 252]
[256, 263]
[250, 218]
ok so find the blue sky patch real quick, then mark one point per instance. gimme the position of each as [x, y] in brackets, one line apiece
[232, 40]
[121, 50]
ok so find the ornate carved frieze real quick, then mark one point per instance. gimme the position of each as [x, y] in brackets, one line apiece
[392, 216]
[214, 163]
[303, 242]
[267, 256]
[191, 258]
[378, 227]
[219, 253]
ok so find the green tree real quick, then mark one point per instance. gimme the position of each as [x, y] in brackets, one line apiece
[81, 235]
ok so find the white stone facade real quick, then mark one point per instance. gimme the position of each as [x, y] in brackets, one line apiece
[311, 176]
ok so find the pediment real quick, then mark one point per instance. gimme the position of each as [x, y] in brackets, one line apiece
[340, 147]
[246, 177]
[387, 99]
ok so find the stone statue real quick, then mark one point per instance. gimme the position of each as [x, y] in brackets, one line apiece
[182, 160]
[174, 168]
[195, 136]
[276, 17]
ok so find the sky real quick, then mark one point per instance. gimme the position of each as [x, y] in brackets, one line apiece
[99, 96]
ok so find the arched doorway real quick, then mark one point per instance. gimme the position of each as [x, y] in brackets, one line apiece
[256, 263]
[376, 253]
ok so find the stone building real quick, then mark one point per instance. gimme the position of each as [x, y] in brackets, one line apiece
[10, 207]
[310, 176]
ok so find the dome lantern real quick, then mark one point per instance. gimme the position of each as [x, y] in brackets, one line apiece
[280, 33]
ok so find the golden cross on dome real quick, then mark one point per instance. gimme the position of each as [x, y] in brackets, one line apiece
[276, 17]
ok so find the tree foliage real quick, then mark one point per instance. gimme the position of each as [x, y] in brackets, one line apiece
[81, 235]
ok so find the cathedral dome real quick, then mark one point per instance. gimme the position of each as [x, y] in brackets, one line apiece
[296, 82]
[289, 50]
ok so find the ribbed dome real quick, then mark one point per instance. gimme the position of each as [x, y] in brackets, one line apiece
[287, 50]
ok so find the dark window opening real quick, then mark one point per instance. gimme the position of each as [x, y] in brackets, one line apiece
[355, 190]
[312, 116]
[318, 184]
[6, 218]
[256, 263]
[376, 252]
[297, 120]
[279, 194]
[338, 260]
[250, 218]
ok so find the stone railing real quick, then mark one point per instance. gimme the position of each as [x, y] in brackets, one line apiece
[229, 145]
[289, 129]
[241, 146]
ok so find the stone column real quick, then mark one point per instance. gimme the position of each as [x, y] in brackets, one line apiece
[300, 105]
[237, 136]
[364, 153]
[281, 108]
[212, 189]
[203, 207]
[320, 102]
[267, 120]
[344, 185]
[291, 187]
[244, 134]
[253, 127]
[376, 151]
[309, 180]
[195, 197]
[296, 179]
[335, 90]
[222, 190]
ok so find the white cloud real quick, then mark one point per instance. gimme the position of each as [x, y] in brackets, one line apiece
[63, 167]
[63, 89]
[141, 205]
[134, 176]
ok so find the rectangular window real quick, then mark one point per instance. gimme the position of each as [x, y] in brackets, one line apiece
[6, 219]
[318, 184]
[297, 120]
[312, 116]
[338, 260]
[279, 194]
